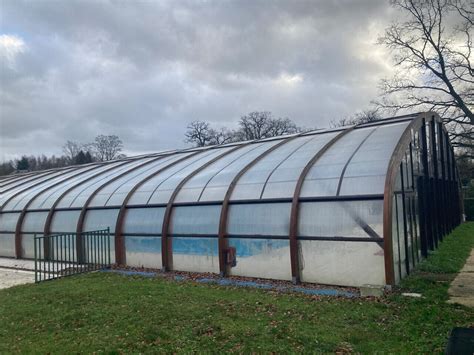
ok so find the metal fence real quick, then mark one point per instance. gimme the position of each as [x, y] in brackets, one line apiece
[71, 253]
[469, 208]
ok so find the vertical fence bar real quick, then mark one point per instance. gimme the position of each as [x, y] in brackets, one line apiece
[108, 246]
[44, 262]
[36, 259]
[39, 258]
[89, 250]
[62, 256]
[101, 250]
[49, 257]
[96, 246]
[55, 256]
[68, 255]
[75, 259]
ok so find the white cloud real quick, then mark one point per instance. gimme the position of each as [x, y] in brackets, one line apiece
[10, 47]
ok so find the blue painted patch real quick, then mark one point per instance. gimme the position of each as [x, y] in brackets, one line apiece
[238, 283]
[323, 292]
[269, 286]
[195, 246]
[249, 247]
[143, 244]
[203, 246]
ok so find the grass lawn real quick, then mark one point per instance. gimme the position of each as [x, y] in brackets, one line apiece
[106, 312]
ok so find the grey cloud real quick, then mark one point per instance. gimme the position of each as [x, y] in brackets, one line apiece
[143, 70]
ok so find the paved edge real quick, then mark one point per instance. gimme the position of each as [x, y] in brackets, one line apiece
[461, 290]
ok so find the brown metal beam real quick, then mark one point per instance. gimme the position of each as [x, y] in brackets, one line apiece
[280, 163]
[120, 253]
[81, 219]
[30, 187]
[166, 245]
[223, 267]
[341, 178]
[19, 223]
[293, 232]
[49, 218]
[14, 179]
[392, 171]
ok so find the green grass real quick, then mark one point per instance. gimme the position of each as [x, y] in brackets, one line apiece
[111, 313]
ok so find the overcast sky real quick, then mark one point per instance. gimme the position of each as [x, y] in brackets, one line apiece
[144, 69]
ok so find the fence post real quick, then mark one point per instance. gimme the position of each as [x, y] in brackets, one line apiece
[108, 245]
[36, 258]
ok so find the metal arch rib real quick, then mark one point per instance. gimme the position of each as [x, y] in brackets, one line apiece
[341, 178]
[282, 162]
[67, 169]
[44, 173]
[81, 219]
[166, 246]
[19, 223]
[119, 242]
[390, 178]
[26, 178]
[225, 203]
[29, 177]
[293, 232]
[30, 187]
[120, 255]
[49, 218]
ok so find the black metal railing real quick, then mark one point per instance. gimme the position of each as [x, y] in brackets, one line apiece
[69, 254]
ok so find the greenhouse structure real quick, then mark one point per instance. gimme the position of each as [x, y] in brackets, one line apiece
[347, 206]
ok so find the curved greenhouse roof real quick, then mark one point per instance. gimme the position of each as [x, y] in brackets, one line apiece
[339, 206]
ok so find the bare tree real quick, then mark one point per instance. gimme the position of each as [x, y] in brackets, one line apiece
[107, 147]
[221, 136]
[199, 133]
[432, 51]
[365, 116]
[255, 125]
[71, 149]
[261, 124]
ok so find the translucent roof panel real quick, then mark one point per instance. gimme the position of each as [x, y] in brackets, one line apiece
[20, 201]
[219, 184]
[65, 221]
[282, 181]
[269, 219]
[192, 190]
[79, 195]
[195, 219]
[101, 219]
[323, 178]
[144, 220]
[159, 189]
[49, 197]
[34, 222]
[114, 193]
[366, 171]
[341, 219]
[24, 187]
[13, 183]
[8, 221]
[163, 193]
[251, 184]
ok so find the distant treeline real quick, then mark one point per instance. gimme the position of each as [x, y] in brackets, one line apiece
[103, 148]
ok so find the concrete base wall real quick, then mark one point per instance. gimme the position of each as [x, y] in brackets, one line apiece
[265, 258]
[342, 263]
[7, 245]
